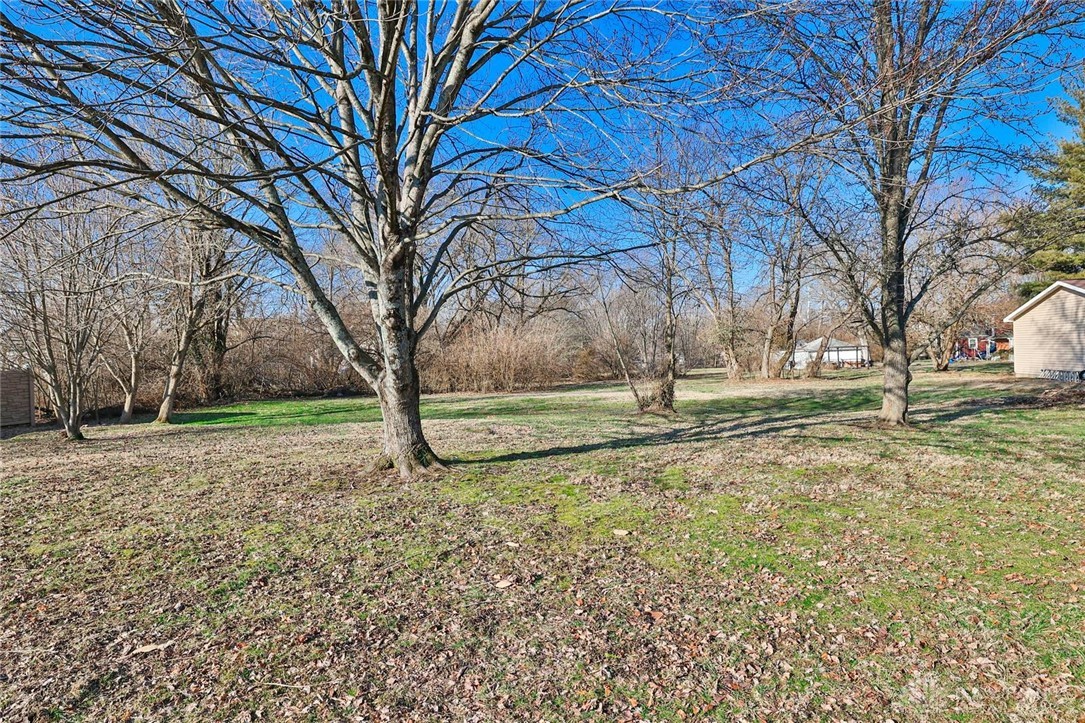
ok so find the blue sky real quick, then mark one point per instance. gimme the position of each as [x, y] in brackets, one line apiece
[1048, 128]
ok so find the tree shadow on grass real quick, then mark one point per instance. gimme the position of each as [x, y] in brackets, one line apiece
[19, 430]
[735, 428]
[258, 418]
[209, 417]
[853, 409]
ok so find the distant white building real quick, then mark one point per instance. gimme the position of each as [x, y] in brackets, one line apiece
[837, 353]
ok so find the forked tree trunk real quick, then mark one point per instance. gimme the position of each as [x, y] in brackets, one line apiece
[813, 367]
[944, 353]
[729, 352]
[73, 426]
[211, 345]
[68, 408]
[177, 363]
[790, 342]
[940, 357]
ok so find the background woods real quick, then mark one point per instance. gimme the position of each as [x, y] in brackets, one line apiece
[315, 198]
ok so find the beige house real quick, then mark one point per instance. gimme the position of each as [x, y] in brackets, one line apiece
[16, 397]
[1049, 333]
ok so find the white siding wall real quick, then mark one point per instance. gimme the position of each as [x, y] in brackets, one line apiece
[1051, 335]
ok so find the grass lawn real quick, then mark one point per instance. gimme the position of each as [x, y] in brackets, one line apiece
[765, 555]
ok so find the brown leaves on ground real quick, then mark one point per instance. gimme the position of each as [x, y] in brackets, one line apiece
[257, 574]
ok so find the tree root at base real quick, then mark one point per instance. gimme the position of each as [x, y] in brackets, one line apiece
[418, 463]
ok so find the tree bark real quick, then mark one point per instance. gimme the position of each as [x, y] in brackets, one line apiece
[766, 352]
[210, 346]
[664, 396]
[130, 390]
[73, 426]
[405, 445]
[943, 355]
[897, 377]
[894, 410]
[70, 410]
[641, 403]
[663, 399]
[173, 379]
[813, 367]
[894, 314]
[790, 342]
[398, 388]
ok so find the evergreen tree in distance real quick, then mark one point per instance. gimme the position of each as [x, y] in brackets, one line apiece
[1054, 233]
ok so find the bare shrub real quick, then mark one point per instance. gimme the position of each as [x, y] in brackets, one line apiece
[503, 359]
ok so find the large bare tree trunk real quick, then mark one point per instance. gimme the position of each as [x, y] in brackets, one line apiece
[897, 378]
[729, 348]
[73, 425]
[894, 226]
[209, 348]
[894, 320]
[398, 388]
[405, 445]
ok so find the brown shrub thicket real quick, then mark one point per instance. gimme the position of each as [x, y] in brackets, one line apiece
[501, 359]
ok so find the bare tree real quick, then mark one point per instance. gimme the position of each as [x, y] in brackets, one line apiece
[195, 262]
[986, 236]
[667, 222]
[713, 273]
[213, 341]
[56, 292]
[388, 124]
[619, 338]
[135, 297]
[927, 82]
[775, 236]
[826, 315]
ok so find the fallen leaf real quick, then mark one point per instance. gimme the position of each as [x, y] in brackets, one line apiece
[151, 648]
[621, 533]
